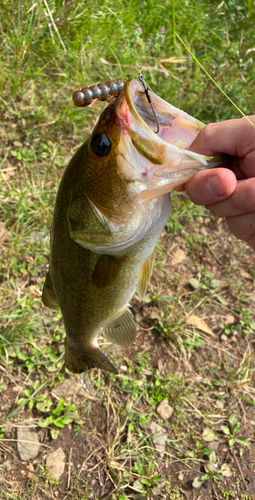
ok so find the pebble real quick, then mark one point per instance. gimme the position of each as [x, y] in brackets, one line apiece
[178, 257]
[27, 443]
[56, 463]
[8, 465]
[8, 426]
[164, 409]
[224, 337]
[72, 388]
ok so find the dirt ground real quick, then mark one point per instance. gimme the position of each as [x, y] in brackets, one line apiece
[182, 353]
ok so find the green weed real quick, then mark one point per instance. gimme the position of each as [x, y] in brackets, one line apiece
[60, 416]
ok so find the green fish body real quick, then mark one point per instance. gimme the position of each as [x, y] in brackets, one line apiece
[112, 204]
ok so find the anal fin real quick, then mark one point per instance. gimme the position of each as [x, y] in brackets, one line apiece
[145, 275]
[122, 330]
[48, 296]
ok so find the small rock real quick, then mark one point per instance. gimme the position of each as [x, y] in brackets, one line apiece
[164, 409]
[138, 318]
[8, 465]
[230, 319]
[28, 443]
[56, 463]
[179, 256]
[72, 388]
[203, 231]
[16, 388]
[8, 426]
[224, 337]
[158, 436]
[30, 467]
[154, 315]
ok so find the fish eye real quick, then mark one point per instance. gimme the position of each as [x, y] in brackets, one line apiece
[100, 145]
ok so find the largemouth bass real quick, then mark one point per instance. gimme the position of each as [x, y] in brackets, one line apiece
[112, 204]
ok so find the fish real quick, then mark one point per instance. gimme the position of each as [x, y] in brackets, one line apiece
[112, 204]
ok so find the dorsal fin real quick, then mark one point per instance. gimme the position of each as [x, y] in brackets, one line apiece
[145, 275]
[122, 330]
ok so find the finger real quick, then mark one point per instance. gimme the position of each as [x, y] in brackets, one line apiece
[242, 226]
[234, 137]
[241, 202]
[180, 188]
[211, 186]
[251, 241]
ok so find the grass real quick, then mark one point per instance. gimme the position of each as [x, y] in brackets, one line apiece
[203, 369]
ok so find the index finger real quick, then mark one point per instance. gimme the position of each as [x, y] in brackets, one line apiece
[235, 137]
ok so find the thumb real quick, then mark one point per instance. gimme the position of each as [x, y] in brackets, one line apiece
[210, 186]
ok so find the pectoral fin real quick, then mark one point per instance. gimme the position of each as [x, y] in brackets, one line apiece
[48, 296]
[122, 330]
[145, 276]
[107, 270]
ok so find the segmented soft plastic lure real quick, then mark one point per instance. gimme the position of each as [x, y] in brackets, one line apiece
[91, 95]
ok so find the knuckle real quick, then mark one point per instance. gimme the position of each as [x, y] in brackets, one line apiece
[209, 130]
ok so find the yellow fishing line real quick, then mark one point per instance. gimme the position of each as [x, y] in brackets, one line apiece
[211, 78]
[173, 19]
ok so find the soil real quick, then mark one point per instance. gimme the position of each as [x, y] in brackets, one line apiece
[92, 460]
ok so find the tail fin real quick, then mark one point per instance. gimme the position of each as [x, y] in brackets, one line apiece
[78, 360]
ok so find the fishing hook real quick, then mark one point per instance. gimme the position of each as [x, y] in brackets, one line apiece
[146, 90]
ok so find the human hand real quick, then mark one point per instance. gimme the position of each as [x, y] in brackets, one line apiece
[228, 192]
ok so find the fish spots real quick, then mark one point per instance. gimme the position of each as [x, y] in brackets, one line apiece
[106, 118]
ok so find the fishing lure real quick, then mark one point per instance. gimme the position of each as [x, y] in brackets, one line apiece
[92, 95]
[98, 92]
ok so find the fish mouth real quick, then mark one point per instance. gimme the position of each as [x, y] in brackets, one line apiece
[164, 159]
[175, 126]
